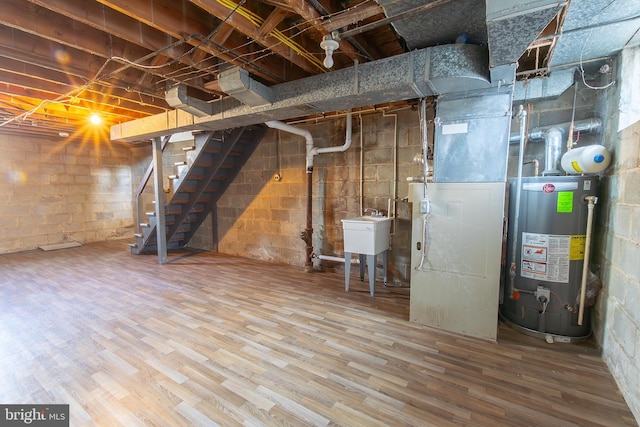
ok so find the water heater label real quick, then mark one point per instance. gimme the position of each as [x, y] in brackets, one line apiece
[455, 128]
[578, 243]
[545, 257]
[565, 202]
[550, 187]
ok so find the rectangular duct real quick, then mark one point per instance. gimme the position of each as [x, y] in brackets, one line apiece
[427, 72]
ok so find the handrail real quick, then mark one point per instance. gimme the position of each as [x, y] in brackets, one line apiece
[143, 185]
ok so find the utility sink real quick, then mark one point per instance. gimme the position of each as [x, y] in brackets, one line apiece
[367, 235]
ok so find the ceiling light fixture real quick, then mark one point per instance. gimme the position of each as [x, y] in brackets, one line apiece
[329, 44]
[95, 119]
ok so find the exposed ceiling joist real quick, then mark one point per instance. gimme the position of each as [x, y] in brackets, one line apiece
[121, 56]
[249, 24]
[184, 20]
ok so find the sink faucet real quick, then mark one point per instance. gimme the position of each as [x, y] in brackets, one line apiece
[374, 212]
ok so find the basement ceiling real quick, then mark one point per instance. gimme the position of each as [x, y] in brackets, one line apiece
[62, 60]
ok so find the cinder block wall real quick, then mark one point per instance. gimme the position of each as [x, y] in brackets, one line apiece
[57, 191]
[262, 217]
[617, 327]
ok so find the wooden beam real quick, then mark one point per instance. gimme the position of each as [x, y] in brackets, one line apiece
[129, 29]
[274, 18]
[313, 17]
[72, 34]
[224, 32]
[97, 104]
[91, 98]
[416, 10]
[352, 16]
[180, 18]
[250, 27]
[57, 82]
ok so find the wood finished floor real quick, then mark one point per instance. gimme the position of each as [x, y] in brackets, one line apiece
[215, 340]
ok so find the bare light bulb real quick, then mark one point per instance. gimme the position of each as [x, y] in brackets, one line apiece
[95, 119]
[329, 45]
[328, 60]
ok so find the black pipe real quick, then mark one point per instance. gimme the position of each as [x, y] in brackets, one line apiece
[307, 234]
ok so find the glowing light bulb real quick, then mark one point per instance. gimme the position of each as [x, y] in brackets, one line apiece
[95, 119]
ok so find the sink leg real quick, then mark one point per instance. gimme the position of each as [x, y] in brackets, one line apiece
[385, 263]
[371, 260]
[362, 259]
[347, 270]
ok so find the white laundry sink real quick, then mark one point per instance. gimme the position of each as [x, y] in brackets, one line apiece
[366, 234]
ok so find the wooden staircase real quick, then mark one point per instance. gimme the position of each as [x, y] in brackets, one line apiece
[210, 165]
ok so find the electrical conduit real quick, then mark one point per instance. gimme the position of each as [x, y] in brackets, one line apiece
[425, 207]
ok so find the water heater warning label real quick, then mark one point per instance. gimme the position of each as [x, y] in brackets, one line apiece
[545, 257]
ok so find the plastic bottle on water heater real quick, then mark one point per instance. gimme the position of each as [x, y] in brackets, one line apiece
[589, 159]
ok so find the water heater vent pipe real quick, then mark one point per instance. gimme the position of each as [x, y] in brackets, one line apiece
[552, 151]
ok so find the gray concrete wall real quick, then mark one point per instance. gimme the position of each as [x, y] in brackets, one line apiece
[261, 217]
[617, 324]
[57, 191]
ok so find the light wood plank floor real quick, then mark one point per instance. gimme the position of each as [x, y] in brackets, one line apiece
[216, 340]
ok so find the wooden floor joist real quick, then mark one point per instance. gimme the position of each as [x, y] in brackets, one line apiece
[208, 339]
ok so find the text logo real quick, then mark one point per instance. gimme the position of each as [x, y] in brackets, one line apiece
[34, 415]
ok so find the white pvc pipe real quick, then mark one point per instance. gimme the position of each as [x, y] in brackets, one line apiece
[394, 194]
[592, 200]
[296, 131]
[337, 259]
[361, 167]
[311, 150]
[343, 147]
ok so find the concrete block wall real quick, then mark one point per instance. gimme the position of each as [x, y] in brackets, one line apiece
[617, 324]
[261, 217]
[57, 191]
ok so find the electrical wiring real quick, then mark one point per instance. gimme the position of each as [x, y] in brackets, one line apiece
[257, 20]
[59, 99]
[584, 45]
[582, 74]
[137, 65]
[190, 71]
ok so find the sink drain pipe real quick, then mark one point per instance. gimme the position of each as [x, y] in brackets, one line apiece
[307, 234]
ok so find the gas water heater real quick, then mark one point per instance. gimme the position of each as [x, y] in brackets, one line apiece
[548, 240]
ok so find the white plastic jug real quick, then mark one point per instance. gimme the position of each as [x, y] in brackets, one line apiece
[589, 159]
